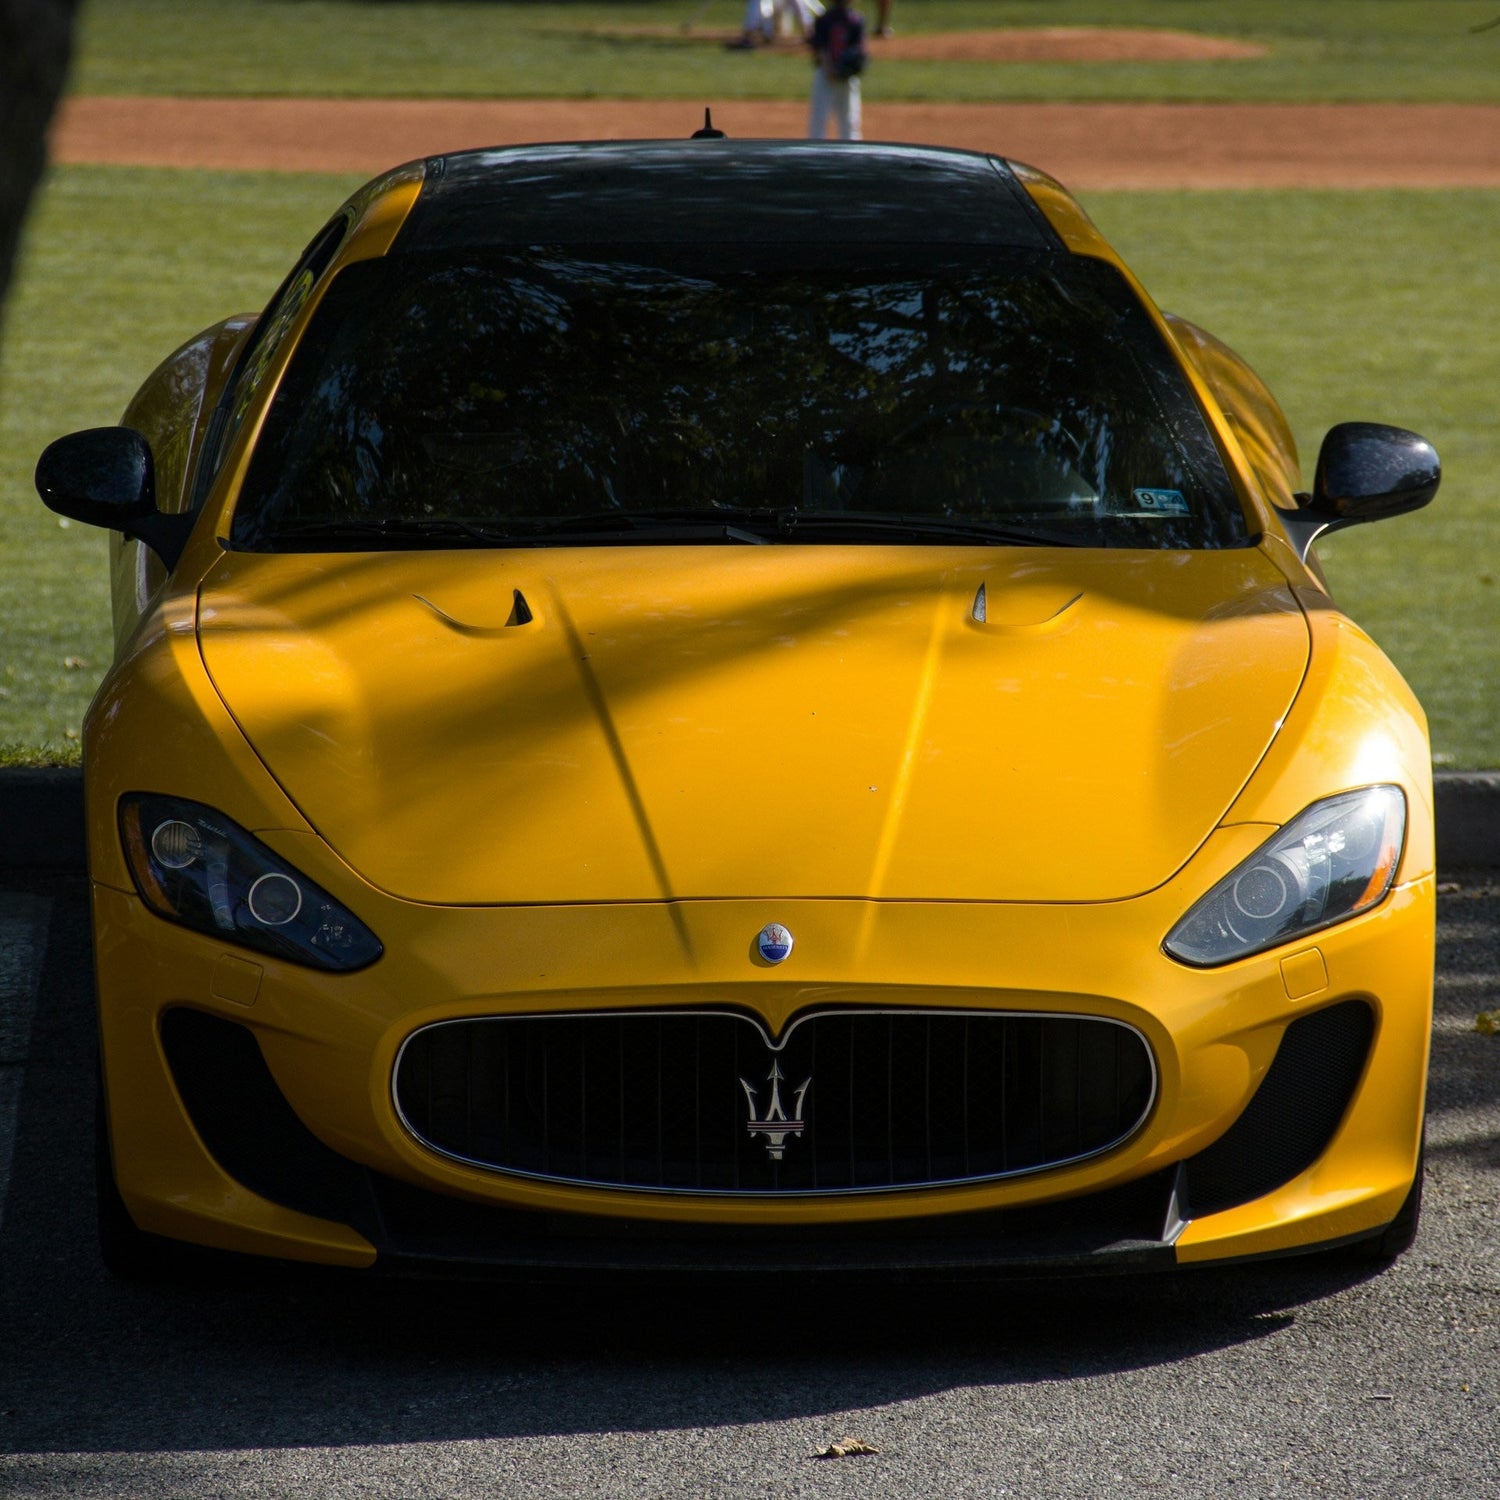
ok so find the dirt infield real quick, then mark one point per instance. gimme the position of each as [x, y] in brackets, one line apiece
[1089, 146]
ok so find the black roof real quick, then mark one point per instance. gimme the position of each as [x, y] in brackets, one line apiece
[716, 191]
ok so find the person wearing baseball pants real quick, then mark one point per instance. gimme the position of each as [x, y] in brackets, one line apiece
[836, 34]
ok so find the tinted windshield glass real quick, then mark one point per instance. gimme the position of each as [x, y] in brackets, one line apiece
[543, 398]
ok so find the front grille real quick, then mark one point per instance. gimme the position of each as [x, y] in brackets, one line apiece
[701, 1102]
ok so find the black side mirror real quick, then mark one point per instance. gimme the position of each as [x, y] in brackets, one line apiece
[1366, 472]
[104, 476]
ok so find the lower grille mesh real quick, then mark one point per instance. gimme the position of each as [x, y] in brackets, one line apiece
[1292, 1116]
[698, 1102]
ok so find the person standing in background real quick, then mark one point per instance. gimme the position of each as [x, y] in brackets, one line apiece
[838, 47]
[763, 18]
[883, 19]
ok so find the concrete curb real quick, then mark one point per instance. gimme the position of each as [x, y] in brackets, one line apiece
[41, 820]
[1468, 818]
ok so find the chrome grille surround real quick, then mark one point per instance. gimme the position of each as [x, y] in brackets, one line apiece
[525, 1080]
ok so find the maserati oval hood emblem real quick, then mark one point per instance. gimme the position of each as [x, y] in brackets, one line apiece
[774, 943]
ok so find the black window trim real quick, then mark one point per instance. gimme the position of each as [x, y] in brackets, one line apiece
[219, 437]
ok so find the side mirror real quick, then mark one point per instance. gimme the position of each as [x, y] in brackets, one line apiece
[104, 476]
[1366, 472]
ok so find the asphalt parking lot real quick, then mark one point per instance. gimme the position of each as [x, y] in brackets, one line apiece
[1294, 1379]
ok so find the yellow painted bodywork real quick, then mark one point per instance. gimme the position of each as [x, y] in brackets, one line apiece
[809, 721]
[599, 808]
[331, 1042]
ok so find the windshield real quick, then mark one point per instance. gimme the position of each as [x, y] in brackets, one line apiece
[569, 398]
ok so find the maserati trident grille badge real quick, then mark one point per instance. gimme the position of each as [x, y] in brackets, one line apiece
[774, 943]
[777, 1124]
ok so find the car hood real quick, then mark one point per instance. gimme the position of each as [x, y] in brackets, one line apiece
[629, 723]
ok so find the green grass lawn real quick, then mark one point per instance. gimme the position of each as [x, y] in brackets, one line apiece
[120, 267]
[1367, 307]
[1317, 49]
[1377, 306]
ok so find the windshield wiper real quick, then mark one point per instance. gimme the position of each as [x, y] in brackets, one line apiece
[701, 523]
[785, 524]
[880, 524]
[790, 525]
[355, 530]
[524, 531]
[757, 527]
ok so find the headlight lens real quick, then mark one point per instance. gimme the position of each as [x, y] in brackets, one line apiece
[1333, 861]
[195, 866]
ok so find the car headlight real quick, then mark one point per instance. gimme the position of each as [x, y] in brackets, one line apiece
[1332, 861]
[195, 866]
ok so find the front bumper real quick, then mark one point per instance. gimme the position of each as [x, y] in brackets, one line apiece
[330, 1173]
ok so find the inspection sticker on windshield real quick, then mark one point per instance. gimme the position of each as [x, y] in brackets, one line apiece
[1163, 502]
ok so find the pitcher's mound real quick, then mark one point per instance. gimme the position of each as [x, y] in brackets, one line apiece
[1044, 44]
[1067, 44]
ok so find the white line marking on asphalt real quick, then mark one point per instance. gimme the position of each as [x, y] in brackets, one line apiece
[23, 942]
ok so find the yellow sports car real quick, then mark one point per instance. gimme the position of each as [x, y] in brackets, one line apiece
[710, 704]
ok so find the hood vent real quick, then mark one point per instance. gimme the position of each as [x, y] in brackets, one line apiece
[1026, 614]
[520, 614]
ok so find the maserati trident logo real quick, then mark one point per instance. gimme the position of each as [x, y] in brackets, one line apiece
[774, 943]
[777, 1124]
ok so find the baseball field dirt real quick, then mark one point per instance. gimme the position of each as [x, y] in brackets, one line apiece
[1089, 146]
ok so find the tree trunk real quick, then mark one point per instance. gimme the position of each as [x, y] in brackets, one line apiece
[35, 40]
